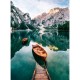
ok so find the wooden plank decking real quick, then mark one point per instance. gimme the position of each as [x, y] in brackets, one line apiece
[40, 73]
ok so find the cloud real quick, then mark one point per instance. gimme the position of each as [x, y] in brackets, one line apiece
[35, 7]
[59, 2]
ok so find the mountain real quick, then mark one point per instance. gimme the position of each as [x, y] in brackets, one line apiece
[19, 20]
[54, 16]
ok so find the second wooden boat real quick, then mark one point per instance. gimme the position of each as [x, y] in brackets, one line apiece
[39, 51]
[24, 41]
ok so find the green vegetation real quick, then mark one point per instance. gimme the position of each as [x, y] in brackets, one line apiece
[64, 26]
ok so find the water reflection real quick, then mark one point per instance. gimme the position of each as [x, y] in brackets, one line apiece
[60, 39]
[58, 65]
[22, 64]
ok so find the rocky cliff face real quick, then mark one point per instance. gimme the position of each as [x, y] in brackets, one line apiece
[54, 16]
[18, 17]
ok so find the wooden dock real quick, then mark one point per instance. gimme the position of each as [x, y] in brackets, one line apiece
[40, 73]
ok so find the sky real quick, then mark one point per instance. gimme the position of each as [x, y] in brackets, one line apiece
[36, 7]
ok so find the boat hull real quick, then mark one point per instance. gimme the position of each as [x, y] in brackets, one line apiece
[24, 41]
[37, 54]
[40, 57]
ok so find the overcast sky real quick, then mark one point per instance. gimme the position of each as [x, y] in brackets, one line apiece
[36, 7]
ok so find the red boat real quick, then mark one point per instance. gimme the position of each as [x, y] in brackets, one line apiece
[24, 41]
[39, 51]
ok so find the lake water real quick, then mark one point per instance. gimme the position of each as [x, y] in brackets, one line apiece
[22, 59]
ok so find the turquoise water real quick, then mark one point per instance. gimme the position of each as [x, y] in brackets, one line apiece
[23, 62]
[58, 65]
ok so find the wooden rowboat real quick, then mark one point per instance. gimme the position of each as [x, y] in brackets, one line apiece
[24, 41]
[39, 51]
